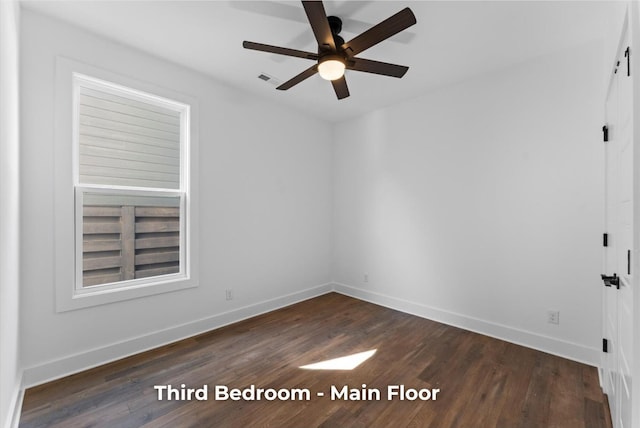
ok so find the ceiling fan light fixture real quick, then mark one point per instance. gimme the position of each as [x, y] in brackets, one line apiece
[333, 54]
[331, 68]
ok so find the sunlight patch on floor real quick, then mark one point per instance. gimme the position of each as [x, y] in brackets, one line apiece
[349, 362]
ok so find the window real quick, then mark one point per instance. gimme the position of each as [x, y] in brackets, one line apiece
[125, 185]
[131, 186]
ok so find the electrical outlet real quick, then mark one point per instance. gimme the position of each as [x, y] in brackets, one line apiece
[229, 294]
[553, 317]
[366, 277]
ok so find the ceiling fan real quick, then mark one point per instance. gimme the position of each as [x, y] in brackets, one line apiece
[334, 55]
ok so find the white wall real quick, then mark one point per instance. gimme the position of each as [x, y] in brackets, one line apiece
[9, 212]
[480, 204]
[265, 210]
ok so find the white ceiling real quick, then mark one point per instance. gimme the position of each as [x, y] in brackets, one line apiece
[452, 41]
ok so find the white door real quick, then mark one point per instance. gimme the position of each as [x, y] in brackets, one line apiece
[624, 245]
[618, 255]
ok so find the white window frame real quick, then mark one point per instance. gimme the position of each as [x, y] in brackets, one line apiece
[83, 81]
[70, 294]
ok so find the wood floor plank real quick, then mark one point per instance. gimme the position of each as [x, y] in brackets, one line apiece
[567, 397]
[483, 382]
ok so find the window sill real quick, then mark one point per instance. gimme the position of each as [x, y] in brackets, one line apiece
[104, 295]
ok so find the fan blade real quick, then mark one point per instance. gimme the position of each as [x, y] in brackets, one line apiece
[374, 35]
[377, 67]
[340, 86]
[278, 50]
[299, 78]
[319, 24]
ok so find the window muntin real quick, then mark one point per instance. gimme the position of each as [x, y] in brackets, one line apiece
[130, 160]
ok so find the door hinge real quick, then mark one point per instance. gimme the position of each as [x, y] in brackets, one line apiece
[611, 280]
[627, 55]
[605, 239]
[605, 345]
[605, 133]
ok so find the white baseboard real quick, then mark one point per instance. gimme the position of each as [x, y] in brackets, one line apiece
[76, 363]
[601, 378]
[569, 350]
[15, 407]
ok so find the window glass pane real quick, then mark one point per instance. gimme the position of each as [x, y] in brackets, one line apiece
[126, 237]
[127, 142]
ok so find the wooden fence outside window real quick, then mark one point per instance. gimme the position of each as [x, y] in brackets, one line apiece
[127, 242]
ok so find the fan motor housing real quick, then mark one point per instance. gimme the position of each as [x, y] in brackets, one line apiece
[335, 24]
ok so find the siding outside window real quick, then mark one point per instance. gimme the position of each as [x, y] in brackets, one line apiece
[126, 142]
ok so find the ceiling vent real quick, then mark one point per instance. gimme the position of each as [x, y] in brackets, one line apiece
[270, 79]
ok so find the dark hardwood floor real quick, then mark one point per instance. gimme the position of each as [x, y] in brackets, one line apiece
[483, 382]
